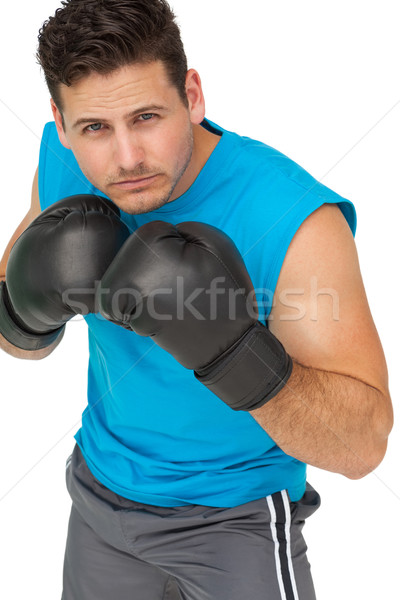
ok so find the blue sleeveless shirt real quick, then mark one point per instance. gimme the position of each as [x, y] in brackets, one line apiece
[151, 432]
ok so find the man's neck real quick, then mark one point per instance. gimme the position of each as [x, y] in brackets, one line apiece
[204, 143]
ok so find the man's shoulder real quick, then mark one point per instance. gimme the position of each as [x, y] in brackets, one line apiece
[263, 161]
[50, 132]
[59, 172]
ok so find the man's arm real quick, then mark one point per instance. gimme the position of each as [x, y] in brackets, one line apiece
[335, 411]
[32, 213]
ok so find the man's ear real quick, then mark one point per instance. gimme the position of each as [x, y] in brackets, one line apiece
[59, 124]
[195, 97]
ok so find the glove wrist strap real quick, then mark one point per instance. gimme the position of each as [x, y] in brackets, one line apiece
[252, 372]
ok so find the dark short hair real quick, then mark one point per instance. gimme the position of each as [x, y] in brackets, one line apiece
[86, 36]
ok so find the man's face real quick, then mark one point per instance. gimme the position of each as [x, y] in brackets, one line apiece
[131, 135]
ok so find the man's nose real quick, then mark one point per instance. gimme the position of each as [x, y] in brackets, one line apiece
[128, 150]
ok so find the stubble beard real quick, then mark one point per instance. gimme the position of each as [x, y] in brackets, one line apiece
[137, 203]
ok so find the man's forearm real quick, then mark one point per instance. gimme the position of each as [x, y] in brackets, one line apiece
[329, 420]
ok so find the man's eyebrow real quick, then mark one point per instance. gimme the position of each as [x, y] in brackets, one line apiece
[133, 113]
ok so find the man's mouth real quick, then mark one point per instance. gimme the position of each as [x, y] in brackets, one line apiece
[131, 184]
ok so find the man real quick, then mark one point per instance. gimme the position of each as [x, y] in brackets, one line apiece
[174, 493]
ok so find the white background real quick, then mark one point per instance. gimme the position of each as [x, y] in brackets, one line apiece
[318, 80]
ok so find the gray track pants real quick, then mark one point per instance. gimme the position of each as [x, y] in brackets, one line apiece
[118, 549]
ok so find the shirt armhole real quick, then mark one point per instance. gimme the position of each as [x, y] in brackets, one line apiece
[349, 213]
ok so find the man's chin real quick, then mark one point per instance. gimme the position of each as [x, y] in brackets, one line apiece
[137, 204]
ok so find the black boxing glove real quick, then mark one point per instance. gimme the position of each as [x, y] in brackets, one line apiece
[188, 288]
[53, 267]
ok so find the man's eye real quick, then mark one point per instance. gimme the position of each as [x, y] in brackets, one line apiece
[94, 127]
[147, 116]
